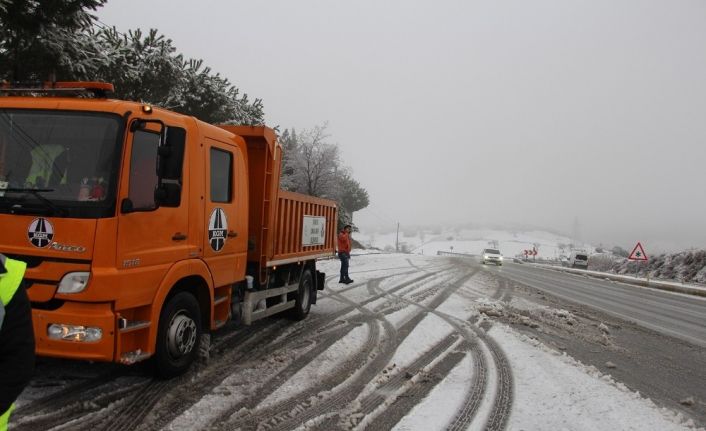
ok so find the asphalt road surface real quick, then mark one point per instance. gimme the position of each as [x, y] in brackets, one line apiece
[677, 315]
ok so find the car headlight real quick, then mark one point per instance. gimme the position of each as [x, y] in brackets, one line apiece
[73, 282]
[501, 258]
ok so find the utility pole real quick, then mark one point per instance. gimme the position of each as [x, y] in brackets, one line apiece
[397, 239]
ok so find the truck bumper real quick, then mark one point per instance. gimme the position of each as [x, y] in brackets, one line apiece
[98, 315]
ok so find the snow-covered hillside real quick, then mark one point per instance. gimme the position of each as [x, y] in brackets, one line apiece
[471, 241]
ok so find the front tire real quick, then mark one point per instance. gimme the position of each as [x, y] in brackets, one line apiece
[179, 335]
[303, 300]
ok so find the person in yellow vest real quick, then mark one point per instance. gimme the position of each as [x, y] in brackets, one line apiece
[16, 336]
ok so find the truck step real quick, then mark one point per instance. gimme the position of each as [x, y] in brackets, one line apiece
[133, 325]
[220, 300]
[250, 314]
[135, 356]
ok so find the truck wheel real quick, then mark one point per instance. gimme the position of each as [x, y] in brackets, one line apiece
[179, 335]
[303, 300]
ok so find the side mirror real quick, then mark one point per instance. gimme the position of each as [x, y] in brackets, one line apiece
[171, 154]
[168, 195]
[170, 162]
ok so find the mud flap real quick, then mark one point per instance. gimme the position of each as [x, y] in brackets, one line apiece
[320, 280]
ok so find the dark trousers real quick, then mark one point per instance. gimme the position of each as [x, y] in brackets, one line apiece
[16, 348]
[344, 265]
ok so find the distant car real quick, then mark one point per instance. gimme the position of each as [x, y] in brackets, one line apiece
[491, 255]
[578, 259]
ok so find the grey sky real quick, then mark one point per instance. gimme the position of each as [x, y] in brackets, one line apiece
[515, 111]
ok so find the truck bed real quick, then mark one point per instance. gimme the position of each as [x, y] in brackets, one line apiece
[291, 242]
[277, 218]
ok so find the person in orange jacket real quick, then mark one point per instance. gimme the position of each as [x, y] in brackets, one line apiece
[344, 253]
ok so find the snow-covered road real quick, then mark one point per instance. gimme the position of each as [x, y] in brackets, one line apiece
[416, 343]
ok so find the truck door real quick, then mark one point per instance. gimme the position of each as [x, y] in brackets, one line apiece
[151, 235]
[225, 245]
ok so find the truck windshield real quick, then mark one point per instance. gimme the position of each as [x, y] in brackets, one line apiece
[61, 163]
[491, 251]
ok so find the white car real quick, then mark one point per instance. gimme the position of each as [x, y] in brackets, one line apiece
[491, 255]
[578, 259]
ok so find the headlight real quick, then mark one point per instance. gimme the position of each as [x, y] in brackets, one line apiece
[73, 282]
[501, 258]
[88, 334]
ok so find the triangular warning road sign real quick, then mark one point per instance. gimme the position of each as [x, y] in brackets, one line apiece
[638, 253]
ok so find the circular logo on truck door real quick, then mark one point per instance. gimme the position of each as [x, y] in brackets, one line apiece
[40, 232]
[217, 229]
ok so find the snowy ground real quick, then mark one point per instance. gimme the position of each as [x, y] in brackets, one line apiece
[472, 241]
[413, 344]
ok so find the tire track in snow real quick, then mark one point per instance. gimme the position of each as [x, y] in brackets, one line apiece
[409, 399]
[316, 324]
[120, 402]
[185, 396]
[75, 409]
[284, 415]
[381, 395]
[501, 290]
[168, 411]
[377, 280]
[309, 404]
[478, 384]
[68, 394]
[138, 404]
[313, 409]
[135, 411]
[269, 387]
[502, 403]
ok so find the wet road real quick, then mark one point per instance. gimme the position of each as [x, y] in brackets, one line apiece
[678, 315]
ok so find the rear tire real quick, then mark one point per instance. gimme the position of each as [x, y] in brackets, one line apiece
[304, 295]
[179, 336]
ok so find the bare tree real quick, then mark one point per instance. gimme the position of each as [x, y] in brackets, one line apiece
[317, 164]
[311, 165]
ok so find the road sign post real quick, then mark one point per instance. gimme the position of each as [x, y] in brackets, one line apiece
[638, 254]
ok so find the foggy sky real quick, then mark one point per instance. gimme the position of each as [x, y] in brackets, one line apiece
[534, 112]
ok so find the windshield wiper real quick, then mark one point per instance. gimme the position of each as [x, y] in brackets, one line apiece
[37, 194]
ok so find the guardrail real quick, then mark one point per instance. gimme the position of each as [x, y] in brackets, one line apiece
[646, 282]
[451, 253]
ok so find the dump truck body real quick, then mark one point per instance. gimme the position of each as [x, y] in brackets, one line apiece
[139, 223]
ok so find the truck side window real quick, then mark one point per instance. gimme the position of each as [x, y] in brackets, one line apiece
[143, 170]
[221, 175]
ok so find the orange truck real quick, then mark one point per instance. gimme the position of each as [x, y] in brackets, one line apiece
[144, 230]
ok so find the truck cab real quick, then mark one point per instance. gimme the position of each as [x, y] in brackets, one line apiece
[144, 229]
